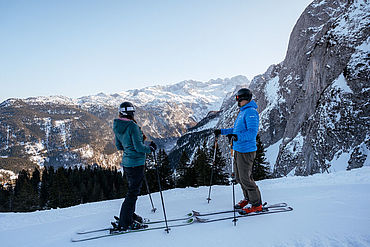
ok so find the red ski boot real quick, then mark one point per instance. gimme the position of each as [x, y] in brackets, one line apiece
[252, 209]
[241, 204]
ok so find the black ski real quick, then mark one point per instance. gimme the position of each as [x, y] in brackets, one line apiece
[188, 217]
[81, 238]
[267, 211]
[265, 207]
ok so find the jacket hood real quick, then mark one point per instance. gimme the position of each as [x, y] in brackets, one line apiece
[251, 104]
[120, 126]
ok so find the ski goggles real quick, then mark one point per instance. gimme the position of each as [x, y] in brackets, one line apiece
[239, 98]
[126, 109]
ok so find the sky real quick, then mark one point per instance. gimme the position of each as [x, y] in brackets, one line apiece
[83, 47]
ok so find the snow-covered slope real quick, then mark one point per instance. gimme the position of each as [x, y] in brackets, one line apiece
[329, 210]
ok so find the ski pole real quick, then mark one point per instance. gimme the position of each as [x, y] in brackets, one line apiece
[146, 183]
[232, 176]
[160, 192]
[214, 162]
[150, 196]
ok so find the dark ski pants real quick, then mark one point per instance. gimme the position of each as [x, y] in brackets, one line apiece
[134, 177]
[243, 164]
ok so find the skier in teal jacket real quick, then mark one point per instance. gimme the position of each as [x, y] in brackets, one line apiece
[130, 139]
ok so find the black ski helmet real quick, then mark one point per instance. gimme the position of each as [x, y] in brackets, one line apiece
[243, 94]
[126, 109]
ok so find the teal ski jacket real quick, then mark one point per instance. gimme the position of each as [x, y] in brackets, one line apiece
[129, 138]
[246, 128]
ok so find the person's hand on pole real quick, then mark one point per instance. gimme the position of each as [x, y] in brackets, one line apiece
[232, 137]
[153, 146]
[217, 132]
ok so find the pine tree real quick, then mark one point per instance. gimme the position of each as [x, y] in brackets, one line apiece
[35, 180]
[260, 165]
[25, 198]
[220, 176]
[5, 199]
[44, 191]
[120, 184]
[202, 166]
[182, 171]
[61, 194]
[165, 171]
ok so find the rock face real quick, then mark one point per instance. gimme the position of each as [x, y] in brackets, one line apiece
[315, 102]
[319, 109]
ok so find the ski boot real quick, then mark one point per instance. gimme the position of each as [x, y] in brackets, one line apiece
[135, 218]
[134, 226]
[241, 204]
[252, 209]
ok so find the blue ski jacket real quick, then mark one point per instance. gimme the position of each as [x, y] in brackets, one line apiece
[129, 138]
[246, 128]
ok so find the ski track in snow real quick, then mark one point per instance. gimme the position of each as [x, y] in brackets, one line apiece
[329, 210]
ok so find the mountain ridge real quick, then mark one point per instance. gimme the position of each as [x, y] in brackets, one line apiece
[62, 131]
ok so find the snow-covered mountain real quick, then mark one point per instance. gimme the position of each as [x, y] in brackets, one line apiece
[329, 210]
[198, 97]
[314, 106]
[58, 130]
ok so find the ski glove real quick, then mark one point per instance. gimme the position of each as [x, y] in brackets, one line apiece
[232, 136]
[153, 146]
[217, 132]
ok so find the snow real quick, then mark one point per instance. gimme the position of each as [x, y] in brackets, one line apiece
[272, 153]
[360, 58]
[329, 210]
[292, 172]
[36, 151]
[8, 102]
[200, 97]
[57, 99]
[340, 161]
[353, 21]
[210, 125]
[47, 126]
[341, 84]
[64, 130]
[295, 146]
[272, 90]
[10, 173]
[7, 137]
[366, 151]
[318, 4]
[86, 151]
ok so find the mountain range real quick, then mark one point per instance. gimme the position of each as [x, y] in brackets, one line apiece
[61, 131]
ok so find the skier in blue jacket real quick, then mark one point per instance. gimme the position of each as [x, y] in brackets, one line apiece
[130, 139]
[245, 132]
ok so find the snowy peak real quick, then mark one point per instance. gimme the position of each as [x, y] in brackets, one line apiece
[201, 97]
